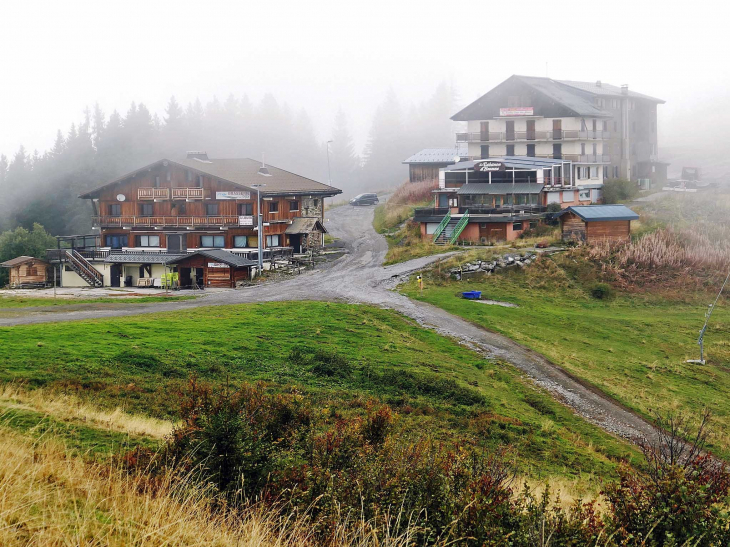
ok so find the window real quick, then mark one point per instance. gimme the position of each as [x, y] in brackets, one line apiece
[315, 202]
[240, 242]
[213, 241]
[273, 207]
[517, 225]
[484, 150]
[189, 176]
[147, 241]
[245, 209]
[157, 181]
[272, 241]
[115, 210]
[605, 125]
[181, 208]
[168, 176]
[293, 205]
[510, 149]
[595, 149]
[117, 241]
[199, 181]
[531, 150]
[582, 149]
[615, 171]
[605, 171]
[583, 126]
[146, 209]
[557, 151]
[594, 172]
[211, 209]
[615, 126]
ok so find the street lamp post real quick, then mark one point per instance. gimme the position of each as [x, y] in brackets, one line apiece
[264, 172]
[329, 174]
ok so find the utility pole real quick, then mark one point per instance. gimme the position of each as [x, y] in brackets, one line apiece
[264, 172]
[329, 174]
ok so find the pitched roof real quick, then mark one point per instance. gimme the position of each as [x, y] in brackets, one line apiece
[605, 89]
[305, 225]
[580, 102]
[20, 260]
[219, 255]
[602, 212]
[499, 188]
[433, 155]
[241, 172]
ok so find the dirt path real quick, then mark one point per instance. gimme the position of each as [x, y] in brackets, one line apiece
[358, 277]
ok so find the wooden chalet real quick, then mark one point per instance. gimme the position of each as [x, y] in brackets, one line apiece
[150, 216]
[27, 271]
[595, 223]
[212, 268]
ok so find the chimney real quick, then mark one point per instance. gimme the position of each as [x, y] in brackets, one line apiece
[624, 89]
[598, 83]
[197, 155]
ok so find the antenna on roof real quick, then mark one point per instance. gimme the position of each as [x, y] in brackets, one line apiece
[263, 171]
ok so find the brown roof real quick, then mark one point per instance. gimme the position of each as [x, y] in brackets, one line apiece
[243, 172]
[305, 225]
[20, 260]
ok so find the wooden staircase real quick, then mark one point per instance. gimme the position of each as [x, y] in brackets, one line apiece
[84, 268]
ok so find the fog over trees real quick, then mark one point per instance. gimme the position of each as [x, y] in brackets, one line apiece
[42, 187]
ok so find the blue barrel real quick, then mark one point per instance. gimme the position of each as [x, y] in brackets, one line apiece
[472, 295]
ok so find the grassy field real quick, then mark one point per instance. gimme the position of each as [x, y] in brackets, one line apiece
[631, 346]
[438, 387]
[31, 301]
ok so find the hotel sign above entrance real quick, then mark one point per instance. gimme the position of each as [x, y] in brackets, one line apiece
[484, 166]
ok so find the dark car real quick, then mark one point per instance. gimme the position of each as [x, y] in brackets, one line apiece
[364, 199]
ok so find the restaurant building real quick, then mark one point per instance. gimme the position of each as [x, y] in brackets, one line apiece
[152, 218]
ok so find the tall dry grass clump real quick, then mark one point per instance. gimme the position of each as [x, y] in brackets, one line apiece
[701, 251]
[48, 498]
[414, 192]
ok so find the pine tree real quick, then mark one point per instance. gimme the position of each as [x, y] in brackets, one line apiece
[3, 169]
[387, 146]
[97, 127]
[345, 163]
[174, 114]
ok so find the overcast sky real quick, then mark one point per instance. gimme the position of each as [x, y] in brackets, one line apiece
[58, 56]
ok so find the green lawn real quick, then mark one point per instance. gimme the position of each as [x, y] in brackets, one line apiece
[32, 302]
[633, 347]
[438, 387]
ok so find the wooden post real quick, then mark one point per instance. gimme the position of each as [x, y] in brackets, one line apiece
[54, 281]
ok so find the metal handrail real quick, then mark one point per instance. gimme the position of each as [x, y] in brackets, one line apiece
[459, 227]
[442, 225]
[85, 266]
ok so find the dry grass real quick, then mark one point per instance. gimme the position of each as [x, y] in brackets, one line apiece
[69, 408]
[699, 251]
[50, 499]
[413, 192]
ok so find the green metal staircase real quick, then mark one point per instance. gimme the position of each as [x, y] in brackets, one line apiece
[450, 228]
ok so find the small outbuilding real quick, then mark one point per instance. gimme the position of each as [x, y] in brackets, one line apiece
[305, 234]
[212, 268]
[593, 223]
[27, 272]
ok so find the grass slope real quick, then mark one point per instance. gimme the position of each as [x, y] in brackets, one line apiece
[633, 347]
[437, 386]
[31, 302]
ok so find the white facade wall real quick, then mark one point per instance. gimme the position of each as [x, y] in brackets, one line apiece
[72, 279]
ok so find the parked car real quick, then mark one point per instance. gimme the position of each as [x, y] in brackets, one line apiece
[364, 199]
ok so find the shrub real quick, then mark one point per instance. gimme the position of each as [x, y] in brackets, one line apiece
[321, 362]
[137, 358]
[602, 291]
[554, 208]
[619, 190]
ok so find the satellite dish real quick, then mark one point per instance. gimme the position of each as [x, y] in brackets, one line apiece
[121, 197]
[457, 159]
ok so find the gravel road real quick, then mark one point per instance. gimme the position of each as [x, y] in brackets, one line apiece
[358, 277]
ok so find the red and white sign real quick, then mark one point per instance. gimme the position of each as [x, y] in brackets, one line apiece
[245, 221]
[219, 265]
[233, 194]
[516, 111]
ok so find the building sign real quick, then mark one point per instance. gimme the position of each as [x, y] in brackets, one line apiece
[516, 111]
[217, 265]
[484, 166]
[235, 194]
[245, 221]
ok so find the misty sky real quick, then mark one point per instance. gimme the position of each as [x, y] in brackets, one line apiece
[58, 56]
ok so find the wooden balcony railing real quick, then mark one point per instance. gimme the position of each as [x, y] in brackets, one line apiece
[187, 193]
[153, 193]
[164, 221]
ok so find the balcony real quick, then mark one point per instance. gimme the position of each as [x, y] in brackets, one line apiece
[153, 193]
[187, 193]
[528, 209]
[157, 194]
[593, 158]
[170, 222]
[527, 136]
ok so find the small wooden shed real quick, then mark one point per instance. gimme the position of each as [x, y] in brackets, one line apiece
[27, 271]
[593, 223]
[212, 268]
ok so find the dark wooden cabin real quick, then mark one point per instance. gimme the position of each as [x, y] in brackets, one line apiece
[212, 268]
[594, 223]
